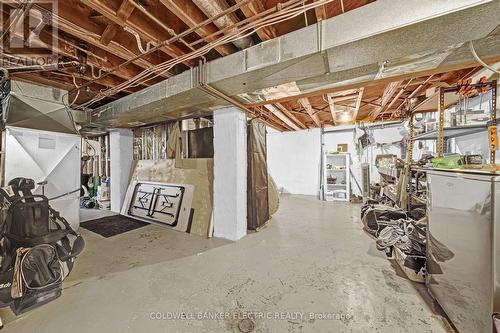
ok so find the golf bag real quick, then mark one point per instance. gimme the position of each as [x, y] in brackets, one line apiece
[37, 248]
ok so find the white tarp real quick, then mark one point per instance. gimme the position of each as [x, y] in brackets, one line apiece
[50, 156]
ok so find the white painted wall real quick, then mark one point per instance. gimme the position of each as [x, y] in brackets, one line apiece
[383, 136]
[294, 160]
[121, 156]
[294, 157]
[230, 173]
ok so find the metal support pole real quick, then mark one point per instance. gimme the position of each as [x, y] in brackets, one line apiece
[405, 175]
[493, 128]
[440, 138]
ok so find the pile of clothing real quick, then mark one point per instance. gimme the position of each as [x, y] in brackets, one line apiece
[394, 228]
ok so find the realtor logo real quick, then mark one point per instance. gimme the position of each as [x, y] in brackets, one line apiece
[29, 32]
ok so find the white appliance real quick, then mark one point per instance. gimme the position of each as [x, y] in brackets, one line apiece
[46, 156]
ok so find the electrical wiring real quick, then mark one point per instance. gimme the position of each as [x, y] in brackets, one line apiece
[286, 12]
[479, 60]
[169, 64]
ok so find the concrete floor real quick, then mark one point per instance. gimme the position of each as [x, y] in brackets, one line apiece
[312, 258]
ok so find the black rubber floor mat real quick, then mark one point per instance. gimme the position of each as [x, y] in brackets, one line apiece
[112, 225]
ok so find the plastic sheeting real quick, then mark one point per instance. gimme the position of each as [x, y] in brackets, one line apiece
[257, 188]
[201, 143]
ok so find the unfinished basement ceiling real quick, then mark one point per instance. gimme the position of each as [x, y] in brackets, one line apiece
[298, 73]
[105, 33]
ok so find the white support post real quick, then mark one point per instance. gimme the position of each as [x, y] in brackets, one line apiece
[230, 173]
[121, 156]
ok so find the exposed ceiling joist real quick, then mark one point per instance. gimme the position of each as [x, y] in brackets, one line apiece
[274, 110]
[89, 32]
[353, 95]
[304, 102]
[66, 48]
[320, 13]
[144, 31]
[290, 115]
[271, 122]
[359, 99]
[253, 8]
[389, 92]
[124, 12]
[192, 16]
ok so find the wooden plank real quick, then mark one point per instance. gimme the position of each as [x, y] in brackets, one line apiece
[147, 33]
[90, 32]
[267, 120]
[290, 115]
[358, 103]
[387, 95]
[331, 105]
[126, 9]
[109, 33]
[320, 13]
[253, 8]
[192, 16]
[307, 106]
[274, 110]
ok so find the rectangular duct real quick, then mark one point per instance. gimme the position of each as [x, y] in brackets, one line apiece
[26, 105]
[318, 57]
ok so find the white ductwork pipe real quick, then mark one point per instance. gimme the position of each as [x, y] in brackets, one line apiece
[212, 8]
[374, 44]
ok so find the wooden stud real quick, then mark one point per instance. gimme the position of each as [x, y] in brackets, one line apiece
[192, 16]
[307, 106]
[254, 8]
[274, 110]
[290, 115]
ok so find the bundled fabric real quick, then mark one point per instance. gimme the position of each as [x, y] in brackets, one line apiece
[409, 237]
[394, 228]
[37, 248]
[406, 235]
[376, 217]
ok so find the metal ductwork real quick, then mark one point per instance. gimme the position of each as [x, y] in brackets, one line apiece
[383, 40]
[212, 8]
[26, 105]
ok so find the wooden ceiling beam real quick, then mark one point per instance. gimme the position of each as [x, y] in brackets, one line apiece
[386, 97]
[192, 16]
[90, 32]
[65, 48]
[304, 102]
[271, 122]
[109, 33]
[358, 103]
[290, 115]
[320, 12]
[253, 8]
[109, 81]
[275, 111]
[123, 12]
[331, 105]
[148, 33]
